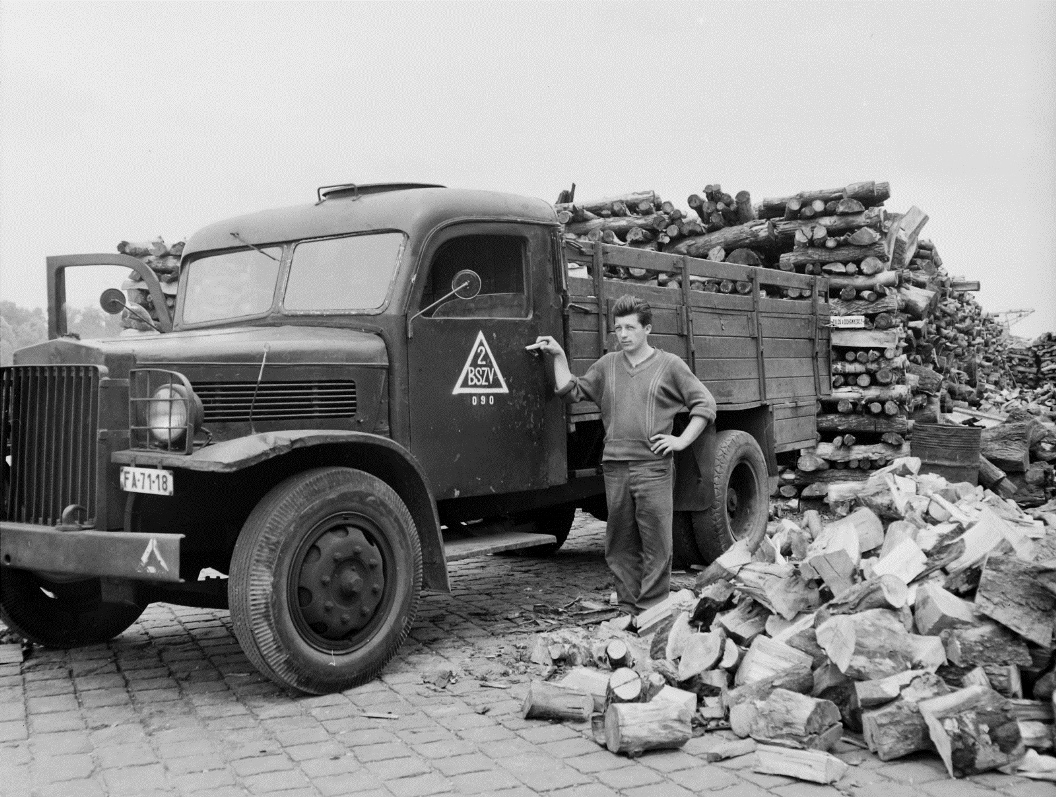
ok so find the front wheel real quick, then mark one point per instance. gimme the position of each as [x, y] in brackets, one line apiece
[742, 502]
[325, 580]
[60, 614]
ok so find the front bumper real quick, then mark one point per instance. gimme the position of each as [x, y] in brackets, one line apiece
[114, 554]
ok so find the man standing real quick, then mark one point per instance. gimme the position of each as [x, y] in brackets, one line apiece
[639, 390]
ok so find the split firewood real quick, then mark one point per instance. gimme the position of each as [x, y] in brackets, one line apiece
[702, 652]
[868, 645]
[986, 643]
[670, 640]
[625, 686]
[897, 728]
[788, 718]
[935, 610]
[833, 557]
[974, 730]
[633, 728]
[733, 748]
[765, 658]
[779, 588]
[546, 701]
[1009, 593]
[795, 678]
[812, 765]
[877, 592]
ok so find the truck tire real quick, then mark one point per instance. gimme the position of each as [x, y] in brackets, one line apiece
[742, 502]
[60, 614]
[325, 580]
[556, 520]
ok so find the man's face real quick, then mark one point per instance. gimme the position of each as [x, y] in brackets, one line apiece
[630, 333]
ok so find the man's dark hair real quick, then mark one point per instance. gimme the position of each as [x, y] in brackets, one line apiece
[628, 305]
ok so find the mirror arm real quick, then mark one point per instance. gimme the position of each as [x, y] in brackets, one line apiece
[443, 298]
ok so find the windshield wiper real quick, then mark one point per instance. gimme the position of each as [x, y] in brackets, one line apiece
[238, 237]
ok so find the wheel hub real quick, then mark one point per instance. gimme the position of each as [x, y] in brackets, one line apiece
[733, 502]
[340, 583]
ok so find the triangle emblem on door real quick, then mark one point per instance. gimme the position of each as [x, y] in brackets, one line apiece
[481, 372]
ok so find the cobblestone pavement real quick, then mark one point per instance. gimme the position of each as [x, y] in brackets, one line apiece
[173, 707]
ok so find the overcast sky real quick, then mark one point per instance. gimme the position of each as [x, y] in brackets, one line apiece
[132, 120]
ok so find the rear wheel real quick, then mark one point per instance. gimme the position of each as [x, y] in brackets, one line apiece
[742, 502]
[555, 520]
[60, 614]
[325, 580]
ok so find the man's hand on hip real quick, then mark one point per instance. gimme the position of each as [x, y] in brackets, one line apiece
[664, 444]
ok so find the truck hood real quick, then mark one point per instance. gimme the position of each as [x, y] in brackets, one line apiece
[244, 346]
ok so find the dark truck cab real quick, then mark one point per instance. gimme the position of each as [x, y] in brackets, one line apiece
[341, 403]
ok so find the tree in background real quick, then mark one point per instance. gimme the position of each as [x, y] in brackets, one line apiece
[21, 327]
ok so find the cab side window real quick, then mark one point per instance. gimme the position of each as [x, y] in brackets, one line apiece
[500, 262]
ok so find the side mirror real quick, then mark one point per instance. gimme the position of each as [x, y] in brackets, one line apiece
[465, 284]
[112, 301]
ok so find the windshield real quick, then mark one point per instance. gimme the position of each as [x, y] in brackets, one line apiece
[231, 285]
[346, 274]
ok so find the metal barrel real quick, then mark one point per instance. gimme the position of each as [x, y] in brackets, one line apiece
[950, 450]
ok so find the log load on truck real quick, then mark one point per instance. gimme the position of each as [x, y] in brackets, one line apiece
[341, 403]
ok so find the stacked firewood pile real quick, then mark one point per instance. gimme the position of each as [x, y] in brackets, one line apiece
[164, 261]
[1045, 349]
[1023, 364]
[920, 620]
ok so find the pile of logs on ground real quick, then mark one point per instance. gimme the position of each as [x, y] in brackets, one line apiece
[921, 619]
[164, 261]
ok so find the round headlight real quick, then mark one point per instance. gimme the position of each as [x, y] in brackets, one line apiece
[171, 412]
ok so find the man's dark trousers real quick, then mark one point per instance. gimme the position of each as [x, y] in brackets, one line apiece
[638, 533]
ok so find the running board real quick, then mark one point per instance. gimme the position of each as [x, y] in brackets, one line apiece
[461, 545]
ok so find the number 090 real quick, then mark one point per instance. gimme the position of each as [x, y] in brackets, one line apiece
[483, 400]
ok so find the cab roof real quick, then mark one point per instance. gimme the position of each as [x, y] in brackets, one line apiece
[414, 209]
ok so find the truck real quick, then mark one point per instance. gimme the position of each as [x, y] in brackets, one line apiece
[341, 403]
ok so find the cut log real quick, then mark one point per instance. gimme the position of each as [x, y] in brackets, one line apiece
[680, 697]
[788, 718]
[905, 561]
[633, 728]
[812, 765]
[862, 423]
[870, 694]
[867, 194]
[546, 701]
[1010, 593]
[587, 679]
[745, 210]
[841, 254]
[618, 654]
[631, 200]
[917, 302]
[625, 686]
[984, 644]
[866, 646]
[1007, 446]
[619, 225]
[754, 234]
[974, 729]
[897, 729]
[786, 229]
[897, 393]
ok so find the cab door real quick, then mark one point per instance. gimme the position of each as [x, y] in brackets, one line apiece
[483, 416]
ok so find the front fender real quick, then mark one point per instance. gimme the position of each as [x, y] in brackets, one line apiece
[382, 457]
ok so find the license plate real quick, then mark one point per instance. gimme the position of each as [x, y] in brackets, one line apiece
[152, 481]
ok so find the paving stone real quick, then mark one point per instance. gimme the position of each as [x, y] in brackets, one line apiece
[126, 755]
[485, 782]
[61, 768]
[705, 777]
[806, 790]
[273, 781]
[956, 788]
[62, 743]
[135, 780]
[420, 785]
[1032, 788]
[73, 788]
[249, 767]
[658, 790]
[598, 761]
[916, 771]
[197, 782]
[630, 777]
[391, 768]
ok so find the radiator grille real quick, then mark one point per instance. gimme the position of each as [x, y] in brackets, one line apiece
[50, 430]
[276, 401]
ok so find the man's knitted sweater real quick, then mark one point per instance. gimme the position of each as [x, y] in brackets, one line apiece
[639, 401]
